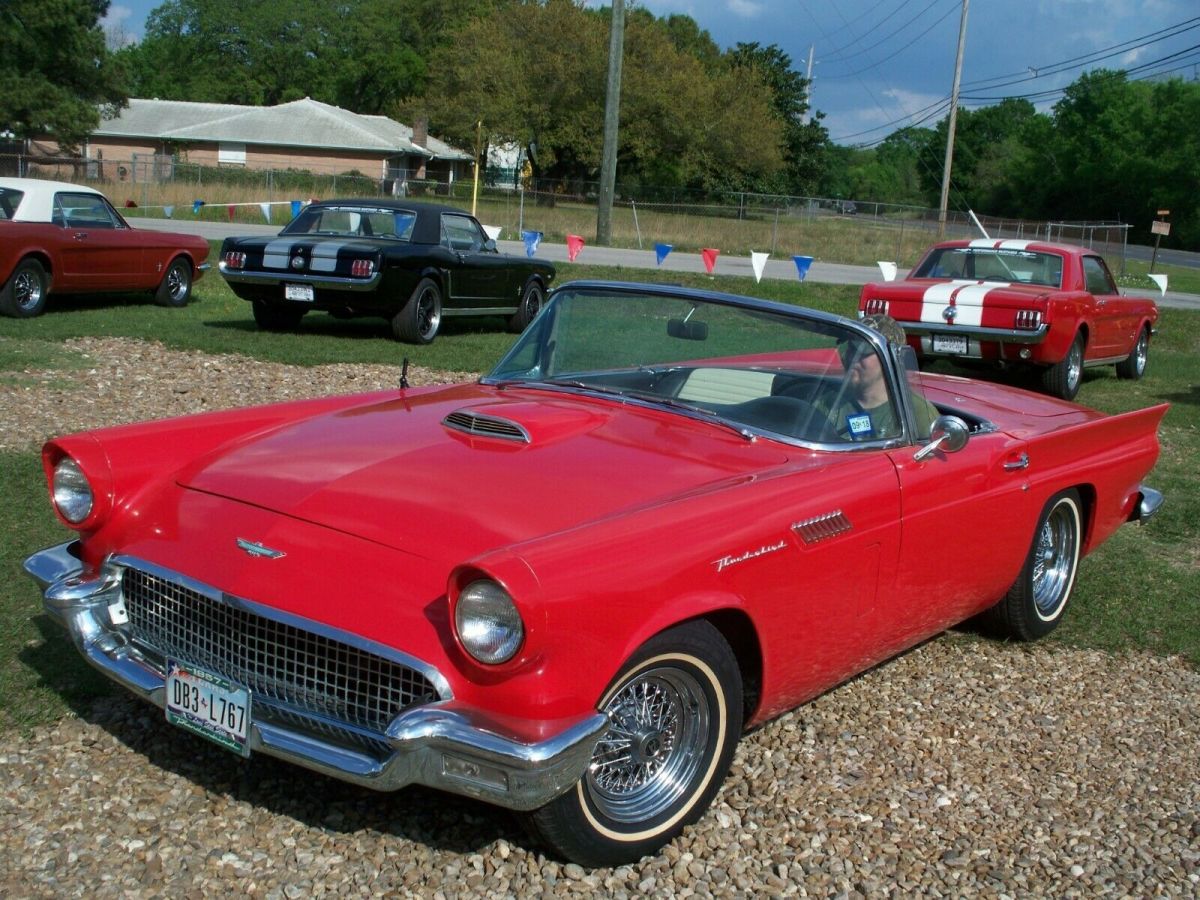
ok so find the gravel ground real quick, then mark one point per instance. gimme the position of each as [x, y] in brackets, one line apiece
[963, 768]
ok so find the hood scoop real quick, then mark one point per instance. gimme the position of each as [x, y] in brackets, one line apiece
[484, 425]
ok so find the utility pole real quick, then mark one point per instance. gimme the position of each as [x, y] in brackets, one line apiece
[962, 40]
[612, 114]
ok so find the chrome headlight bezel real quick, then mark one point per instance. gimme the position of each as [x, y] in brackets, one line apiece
[487, 622]
[73, 495]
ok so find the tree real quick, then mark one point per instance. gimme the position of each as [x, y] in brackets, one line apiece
[56, 74]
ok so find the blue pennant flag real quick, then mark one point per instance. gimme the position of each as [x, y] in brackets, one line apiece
[296, 204]
[531, 239]
[196, 204]
[802, 264]
[661, 251]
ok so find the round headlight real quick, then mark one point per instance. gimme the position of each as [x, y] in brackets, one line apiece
[72, 493]
[488, 623]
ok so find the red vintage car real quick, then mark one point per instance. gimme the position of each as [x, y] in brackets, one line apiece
[1055, 307]
[59, 238]
[665, 517]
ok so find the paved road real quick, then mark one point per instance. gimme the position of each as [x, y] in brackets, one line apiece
[677, 261]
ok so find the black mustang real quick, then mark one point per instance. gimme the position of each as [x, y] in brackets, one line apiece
[411, 263]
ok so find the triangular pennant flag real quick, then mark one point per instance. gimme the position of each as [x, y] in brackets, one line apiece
[169, 210]
[493, 231]
[531, 239]
[888, 269]
[661, 251]
[802, 264]
[709, 255]
[759, 262]
[266, 211]
[296, 204]
[229, 209]
[1161, 281]
[574, 245]
[196, 204]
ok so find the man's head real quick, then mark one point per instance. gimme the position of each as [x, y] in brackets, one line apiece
[891, 330]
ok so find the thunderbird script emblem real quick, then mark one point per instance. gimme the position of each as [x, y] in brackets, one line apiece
[256, 549]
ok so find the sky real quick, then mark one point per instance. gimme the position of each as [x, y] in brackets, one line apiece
[883, 64]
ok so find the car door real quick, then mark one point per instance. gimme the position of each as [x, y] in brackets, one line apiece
[1113, 325]
[478, 276]
[100, 252]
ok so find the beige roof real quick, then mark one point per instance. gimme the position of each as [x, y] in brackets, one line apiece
[301, 123]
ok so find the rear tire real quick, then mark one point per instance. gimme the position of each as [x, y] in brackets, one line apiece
[1134, 367]
[1036, 602]
[276, 317]
[676, 715]
[25, 294]
[176, 287]
[1064, 377]
[418, 321]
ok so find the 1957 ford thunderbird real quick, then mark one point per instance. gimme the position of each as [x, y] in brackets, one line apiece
[666, 516]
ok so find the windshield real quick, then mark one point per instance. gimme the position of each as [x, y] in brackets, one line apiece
[991, 264]
[807, 378]
[354, 221]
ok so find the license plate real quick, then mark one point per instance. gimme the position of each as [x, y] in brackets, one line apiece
[209, 705]
[298, 292]
[950, 343]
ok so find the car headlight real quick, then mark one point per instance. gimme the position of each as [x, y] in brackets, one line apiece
[72, 493]
[488, 623]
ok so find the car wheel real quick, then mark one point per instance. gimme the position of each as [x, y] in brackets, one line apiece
[176, 286]
[1063, 378]
[25, 294]
[531, 302]
[418, 321]
[275, 316]
[1037, 600]
[675, 713]
[1134, 367]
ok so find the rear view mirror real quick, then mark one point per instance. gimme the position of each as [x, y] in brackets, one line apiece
[687, 330]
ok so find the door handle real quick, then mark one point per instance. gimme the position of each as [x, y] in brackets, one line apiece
[1015, 465]
[81, 235]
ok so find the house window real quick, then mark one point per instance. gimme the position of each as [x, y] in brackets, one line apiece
[231, 154]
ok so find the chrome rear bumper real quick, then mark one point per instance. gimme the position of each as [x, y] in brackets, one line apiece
[1149, 500]
[444, 744]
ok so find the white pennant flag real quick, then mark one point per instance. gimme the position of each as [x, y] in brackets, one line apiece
[1161, 281]
[266, 211]
[759, 262]
[888, 269]
[493, 231]
[169, 210]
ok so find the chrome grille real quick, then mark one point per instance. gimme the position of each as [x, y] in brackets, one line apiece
[298, 676]
[485, 426]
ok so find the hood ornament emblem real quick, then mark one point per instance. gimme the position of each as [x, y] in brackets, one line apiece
[258, 550]
[297, 261]
[950, 313]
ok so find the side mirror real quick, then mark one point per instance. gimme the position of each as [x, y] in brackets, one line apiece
[687, 330]
[489, 246]
[949, 434]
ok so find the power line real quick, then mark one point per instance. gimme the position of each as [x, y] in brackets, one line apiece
[833, 56]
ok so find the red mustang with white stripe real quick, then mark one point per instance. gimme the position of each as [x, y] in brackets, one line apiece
[1053, 306]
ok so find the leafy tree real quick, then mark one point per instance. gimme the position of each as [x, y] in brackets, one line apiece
[56, 73]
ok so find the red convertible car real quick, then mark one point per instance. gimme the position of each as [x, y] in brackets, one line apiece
[665, 517]
[1055, 307]
[59, 238]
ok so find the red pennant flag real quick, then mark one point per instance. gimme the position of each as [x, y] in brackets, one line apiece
[229, 209]
[710, 258]
[574, 245]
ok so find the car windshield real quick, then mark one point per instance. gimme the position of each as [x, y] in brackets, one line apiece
[353, 221]
[798, 376]
[992, 264]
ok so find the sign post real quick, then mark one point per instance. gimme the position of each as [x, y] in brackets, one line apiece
[1158, 228]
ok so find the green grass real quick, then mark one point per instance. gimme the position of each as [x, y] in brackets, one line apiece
[1179, 278]
[1139, 591]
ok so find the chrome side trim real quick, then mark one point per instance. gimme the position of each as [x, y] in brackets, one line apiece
[823, 527]
[326, 282]
[451, 312]
[444, 745]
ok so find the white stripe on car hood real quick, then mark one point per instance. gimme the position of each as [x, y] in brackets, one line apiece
[276, 254]
[967, 296]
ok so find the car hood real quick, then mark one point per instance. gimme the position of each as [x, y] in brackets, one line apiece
[394, 472]
[963, 292]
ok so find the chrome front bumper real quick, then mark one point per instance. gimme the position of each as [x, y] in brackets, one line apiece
[444, 745]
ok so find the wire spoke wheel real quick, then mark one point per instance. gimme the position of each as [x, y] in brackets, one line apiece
[1054, 561]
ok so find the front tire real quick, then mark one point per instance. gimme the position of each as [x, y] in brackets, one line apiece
[418, 321]
[275, 316]
[25, 294]
[1036, 602]
[176, 287]
[1064, 377]
[676, 715]
[532, 299]
[1134, 367]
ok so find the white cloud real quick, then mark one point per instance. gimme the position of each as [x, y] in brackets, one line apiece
[746, 9]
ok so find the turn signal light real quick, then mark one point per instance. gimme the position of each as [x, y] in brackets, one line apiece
[1029, 318]
[361, 268]
[234, 259]
[875, 305]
